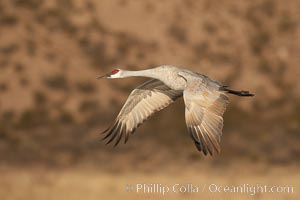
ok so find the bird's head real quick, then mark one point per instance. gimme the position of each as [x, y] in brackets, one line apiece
[115, 73]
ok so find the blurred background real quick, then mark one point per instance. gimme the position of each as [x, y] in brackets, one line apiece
[52, 108]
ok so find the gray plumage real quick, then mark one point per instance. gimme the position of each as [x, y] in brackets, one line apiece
[205, 103]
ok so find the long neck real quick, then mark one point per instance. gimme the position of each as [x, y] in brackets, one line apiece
[150, 73]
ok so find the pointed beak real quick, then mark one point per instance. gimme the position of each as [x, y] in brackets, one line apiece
[104, 76]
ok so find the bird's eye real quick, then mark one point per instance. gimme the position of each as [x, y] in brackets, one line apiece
[115, 71]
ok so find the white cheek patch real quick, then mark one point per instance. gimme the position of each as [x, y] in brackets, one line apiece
[117, 75]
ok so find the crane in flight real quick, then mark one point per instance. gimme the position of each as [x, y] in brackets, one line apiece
[205, 102]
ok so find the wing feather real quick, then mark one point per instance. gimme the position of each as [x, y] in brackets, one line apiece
[144, 101]
[203, 113]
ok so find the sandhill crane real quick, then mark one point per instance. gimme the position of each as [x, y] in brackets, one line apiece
[205, 102]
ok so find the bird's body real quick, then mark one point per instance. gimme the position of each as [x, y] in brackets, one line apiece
[205, 102]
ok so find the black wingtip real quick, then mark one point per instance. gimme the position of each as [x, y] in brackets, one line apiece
[126, 138]
[201, 148]
[105, 136]
[207, 152]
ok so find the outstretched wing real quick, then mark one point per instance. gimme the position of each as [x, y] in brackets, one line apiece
[143, 102]
[203, 114]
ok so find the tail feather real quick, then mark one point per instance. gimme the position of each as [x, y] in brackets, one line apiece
[238, 93]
